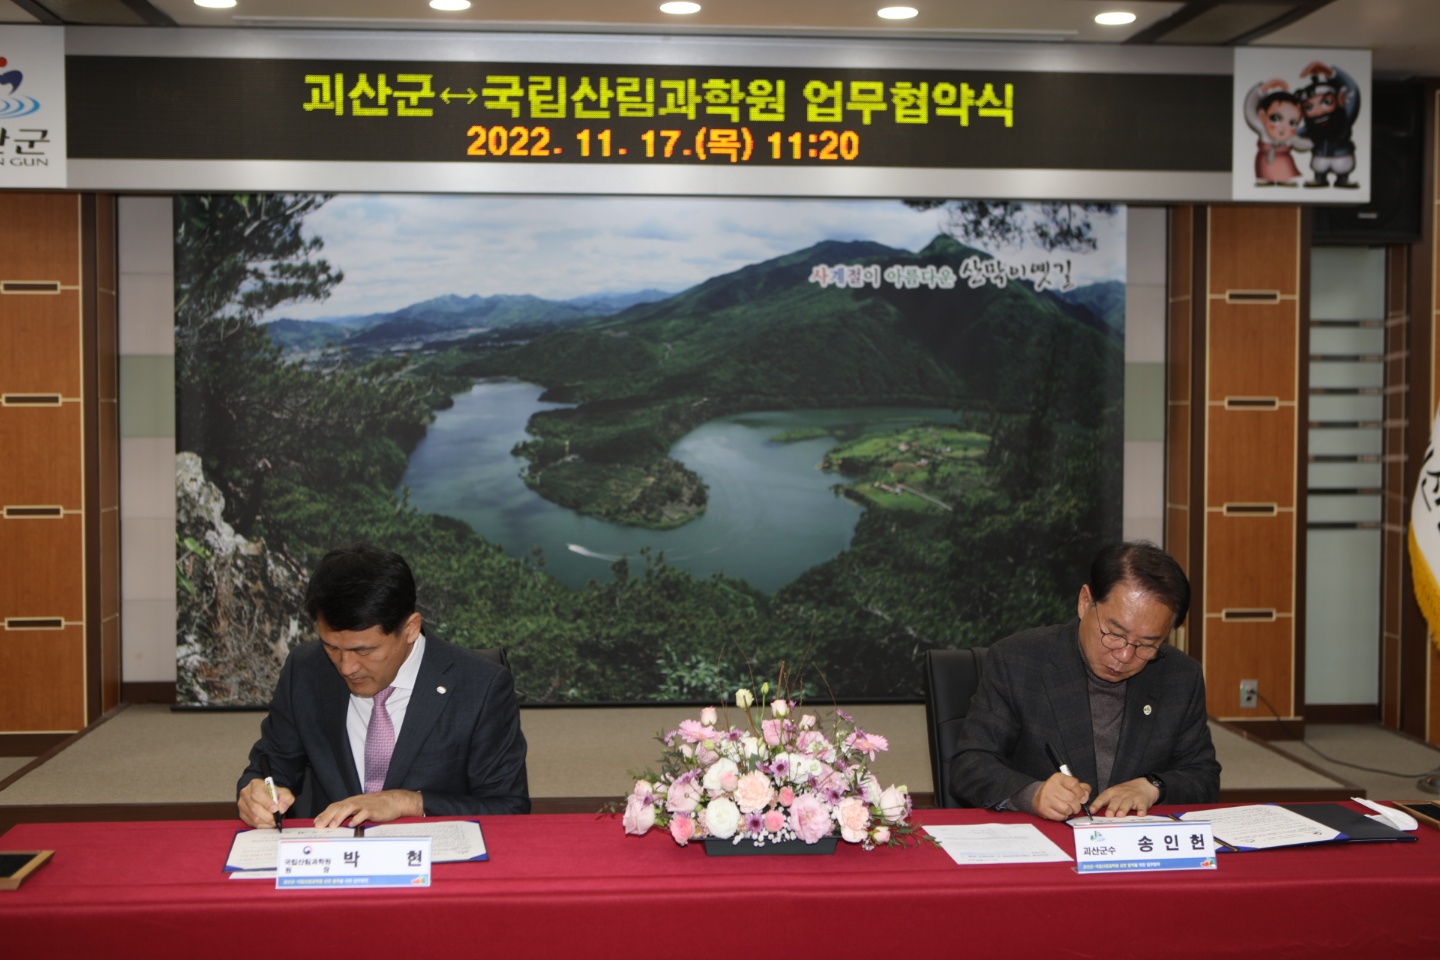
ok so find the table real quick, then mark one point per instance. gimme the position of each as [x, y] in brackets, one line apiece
[574, 885]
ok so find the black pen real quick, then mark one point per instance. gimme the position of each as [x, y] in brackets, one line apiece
[1064, 768]
[270, 788]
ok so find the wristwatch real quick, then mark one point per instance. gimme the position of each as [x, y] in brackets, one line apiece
[1159, 785]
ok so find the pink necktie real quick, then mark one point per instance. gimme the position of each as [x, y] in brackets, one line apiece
[379, 743]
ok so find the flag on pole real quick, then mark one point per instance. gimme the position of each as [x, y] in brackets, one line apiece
[1425, 535]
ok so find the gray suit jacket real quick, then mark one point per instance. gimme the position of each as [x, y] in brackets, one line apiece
[462, 748]
[1033, 691]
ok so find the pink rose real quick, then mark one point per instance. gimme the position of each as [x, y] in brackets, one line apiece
[787, 796]
[682, 829]
[643, 788]
[809, 818]
[705, 756]
[683, 797]
[881, 835]
[708, 716]
[753, 792]
[772, 730]
[774, 821]
[639, 815]
[854, 819]
[729, 780]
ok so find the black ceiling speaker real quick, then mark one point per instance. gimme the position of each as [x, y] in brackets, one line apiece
[1396, 155]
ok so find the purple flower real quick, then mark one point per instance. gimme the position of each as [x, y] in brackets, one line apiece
[753, 824]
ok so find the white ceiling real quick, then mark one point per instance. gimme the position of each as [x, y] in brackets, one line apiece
[1404, 34]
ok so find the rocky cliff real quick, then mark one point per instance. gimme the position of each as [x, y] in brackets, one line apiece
[239, 608]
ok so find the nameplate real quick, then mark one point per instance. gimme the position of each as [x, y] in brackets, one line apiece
[354, 862]
[1151, 843]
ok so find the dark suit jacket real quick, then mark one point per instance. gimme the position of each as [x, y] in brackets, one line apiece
[462, 748]
[1034, 690]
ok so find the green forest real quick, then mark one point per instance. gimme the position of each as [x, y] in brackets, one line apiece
[970, 530]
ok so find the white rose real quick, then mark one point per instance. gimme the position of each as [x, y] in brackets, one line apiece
[744, 698]
[708, 716]
[780, 708]
[717, 773]
[722, 818]
[892, 803]
[751, 745]
[807, 721]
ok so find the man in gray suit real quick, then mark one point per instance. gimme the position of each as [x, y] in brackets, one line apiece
[390, 723]
[1102, 694]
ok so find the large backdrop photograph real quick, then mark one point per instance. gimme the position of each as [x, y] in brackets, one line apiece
[651, 447]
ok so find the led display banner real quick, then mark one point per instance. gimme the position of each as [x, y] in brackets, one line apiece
[551, 113]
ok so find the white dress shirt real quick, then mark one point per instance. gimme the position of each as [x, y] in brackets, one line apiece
[358, 717]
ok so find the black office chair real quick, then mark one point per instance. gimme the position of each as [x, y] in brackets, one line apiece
[951, 679]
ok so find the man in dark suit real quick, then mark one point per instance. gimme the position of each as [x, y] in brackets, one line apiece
[390, 723]
[1105, 694]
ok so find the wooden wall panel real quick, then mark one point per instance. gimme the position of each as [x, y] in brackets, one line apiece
[1250, 563]
[1177, 455]
[40, 342]
[58, 338]
[1251, 457]
[1254, 248]
[45, 680]
[1236, 651]
[42, 559]
[41, 462]
[1260, 344]
[44, 232]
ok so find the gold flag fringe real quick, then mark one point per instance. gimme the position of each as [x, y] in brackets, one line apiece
[1427, 589]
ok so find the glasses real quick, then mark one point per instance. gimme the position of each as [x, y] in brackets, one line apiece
[1115, 641]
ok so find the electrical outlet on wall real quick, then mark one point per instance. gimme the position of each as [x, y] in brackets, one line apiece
[1249, 694]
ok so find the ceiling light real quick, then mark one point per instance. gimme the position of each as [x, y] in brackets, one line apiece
[450, 5]
[215, 4]
[897, 13]
[1116, 19]
[680, 7]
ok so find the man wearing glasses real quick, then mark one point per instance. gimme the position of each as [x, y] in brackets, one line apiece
[1104, 695]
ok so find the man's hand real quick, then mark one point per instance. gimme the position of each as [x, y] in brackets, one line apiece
[255, 806]
[1133, 796]
[1059, 798]
[372, 808]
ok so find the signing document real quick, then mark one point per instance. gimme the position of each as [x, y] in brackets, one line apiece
[1262, 826]
[996, 843]
[253, 855]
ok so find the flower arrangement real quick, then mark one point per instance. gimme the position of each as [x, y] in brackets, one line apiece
[773, 778]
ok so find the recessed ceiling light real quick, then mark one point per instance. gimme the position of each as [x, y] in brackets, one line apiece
[1116, 19]
[215, 4]
[450, 5]
[897, 13]
[680, 7]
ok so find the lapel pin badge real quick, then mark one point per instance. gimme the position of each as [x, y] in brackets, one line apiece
[1147, 709]
[441, 690]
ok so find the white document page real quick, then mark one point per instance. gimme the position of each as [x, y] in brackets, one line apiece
[255, 853]
[1262, 826]
[997, 843]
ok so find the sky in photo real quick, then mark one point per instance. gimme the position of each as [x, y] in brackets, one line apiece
[399, 249]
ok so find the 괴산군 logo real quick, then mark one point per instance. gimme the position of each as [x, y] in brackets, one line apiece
[12, 102]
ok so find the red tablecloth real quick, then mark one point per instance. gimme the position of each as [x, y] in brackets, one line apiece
[576, 886]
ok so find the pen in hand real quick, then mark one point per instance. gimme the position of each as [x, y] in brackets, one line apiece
[270, 788]
[1064, 768]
